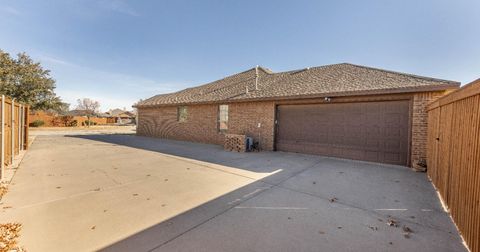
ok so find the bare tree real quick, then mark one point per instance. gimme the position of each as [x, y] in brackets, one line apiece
[90, 107]
[135, 106]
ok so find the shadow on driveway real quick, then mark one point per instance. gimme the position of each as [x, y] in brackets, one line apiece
[259, 162]
[309, 203]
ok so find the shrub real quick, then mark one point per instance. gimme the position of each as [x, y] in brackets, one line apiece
[37, 123]
[67, 120]
[86, 123]
[73, 123]
[56, 121]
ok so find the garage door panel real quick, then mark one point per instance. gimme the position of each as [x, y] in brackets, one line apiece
[393, 118]
[356, 141]
[337, 131]
[371, 131]
[353, 130]
[372, 156]
[392, 157]
[373, 143]
[393, 132]
[372, 118]
[392, 144]
[289, 146]
[335, 151]
[353, 153]
[356, 116]
[320, 138]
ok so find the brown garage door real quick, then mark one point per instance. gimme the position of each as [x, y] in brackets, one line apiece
[370, 131]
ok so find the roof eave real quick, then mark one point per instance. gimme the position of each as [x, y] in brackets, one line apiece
[449, 86]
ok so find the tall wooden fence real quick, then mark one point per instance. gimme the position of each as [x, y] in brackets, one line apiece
[14, 131]
[454, 157]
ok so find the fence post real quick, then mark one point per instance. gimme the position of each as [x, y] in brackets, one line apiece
[25, 134]
[19, 135]
[2, 165]
[13, 131]
[20, 127]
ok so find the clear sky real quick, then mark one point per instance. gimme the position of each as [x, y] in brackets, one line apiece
[118, 51]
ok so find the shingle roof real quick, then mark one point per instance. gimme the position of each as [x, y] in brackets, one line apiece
[331, 80]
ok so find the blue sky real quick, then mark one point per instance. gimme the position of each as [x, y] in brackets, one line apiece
[118, 51]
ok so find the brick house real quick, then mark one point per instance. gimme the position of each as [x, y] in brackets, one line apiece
[120, 116]
[341, 110]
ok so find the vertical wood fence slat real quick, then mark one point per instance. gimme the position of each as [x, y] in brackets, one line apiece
[8, 131]
[14, 131]
[25, 127]
[17, 127]
[454, 157]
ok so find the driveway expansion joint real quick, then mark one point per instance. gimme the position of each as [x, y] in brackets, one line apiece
[369, 211]
[232, 204]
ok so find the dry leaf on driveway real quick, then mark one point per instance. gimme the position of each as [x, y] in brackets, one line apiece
[9, 232]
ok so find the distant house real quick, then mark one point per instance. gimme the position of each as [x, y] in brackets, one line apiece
[121, 116]
[341, 110]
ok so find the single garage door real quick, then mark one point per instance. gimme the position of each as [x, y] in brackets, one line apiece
[370, 131]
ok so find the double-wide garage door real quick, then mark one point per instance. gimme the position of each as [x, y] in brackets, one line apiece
[370, 131]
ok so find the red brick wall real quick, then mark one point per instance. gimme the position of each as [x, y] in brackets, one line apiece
[200, 126]
[244, 118]
[201, 123]
[420, 124]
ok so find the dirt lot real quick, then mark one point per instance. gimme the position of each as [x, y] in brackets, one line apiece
[120, 192]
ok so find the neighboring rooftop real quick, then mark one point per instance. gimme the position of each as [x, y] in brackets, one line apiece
[120, 113]
[331, 80]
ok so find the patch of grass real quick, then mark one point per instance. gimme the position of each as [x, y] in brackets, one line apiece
[9, 234]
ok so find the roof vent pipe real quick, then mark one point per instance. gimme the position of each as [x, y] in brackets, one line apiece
[256, 77]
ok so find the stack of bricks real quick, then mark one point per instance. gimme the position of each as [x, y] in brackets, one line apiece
[235, 142]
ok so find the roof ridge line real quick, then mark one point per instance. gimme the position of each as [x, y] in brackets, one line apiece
[266, 70]
[308, 68]
[211, 82]
[222, 88]
[401, 73]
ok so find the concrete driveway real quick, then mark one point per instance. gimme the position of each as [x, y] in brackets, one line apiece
[117, 192]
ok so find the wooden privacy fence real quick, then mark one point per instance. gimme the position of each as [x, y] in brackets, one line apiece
[454, 157]
[14, 131]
